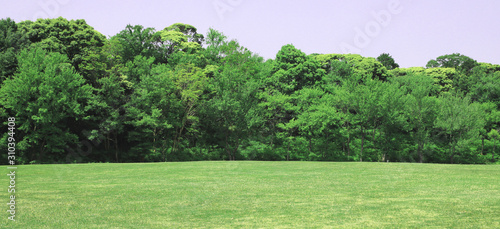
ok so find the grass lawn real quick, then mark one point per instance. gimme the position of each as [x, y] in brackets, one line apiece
[245, 194]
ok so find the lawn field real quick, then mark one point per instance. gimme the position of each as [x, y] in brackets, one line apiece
[247, 194]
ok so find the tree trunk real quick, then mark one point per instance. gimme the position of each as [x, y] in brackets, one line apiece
[42, 152]
[452, 149]
[419, 149]
[164, 149]
[174, 144]
[362, 143]
[348, 143]
[373, 138]
[227, 146]
[451, 157]
[272, 139]
[482, 146]
[229, 154]
[288, 151]
[310, 148]
[116, 147]
[386, 147]
[236, 149]
[106, 145]
[179, 134]
[452, 153]
[493, 153]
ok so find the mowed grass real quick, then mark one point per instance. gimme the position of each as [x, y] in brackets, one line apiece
[245, 194]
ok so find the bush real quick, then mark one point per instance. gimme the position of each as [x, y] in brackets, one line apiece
[260, 151]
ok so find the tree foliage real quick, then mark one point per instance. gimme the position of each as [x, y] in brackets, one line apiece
[456, 60]
[12, 40]
[48, 98]
[387, 61]
[177, 95]
[73, 38]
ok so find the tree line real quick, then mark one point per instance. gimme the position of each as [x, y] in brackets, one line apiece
[147, 95]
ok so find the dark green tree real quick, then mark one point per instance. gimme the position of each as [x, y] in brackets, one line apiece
[456, 60]
[12, 40]
[387, 61]
[137, 40]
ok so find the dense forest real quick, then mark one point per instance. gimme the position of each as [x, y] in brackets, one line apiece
[147, 95]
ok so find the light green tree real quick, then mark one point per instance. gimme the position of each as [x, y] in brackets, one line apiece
[293, 70]
[74, 38]
[179, 37]
[190, 83]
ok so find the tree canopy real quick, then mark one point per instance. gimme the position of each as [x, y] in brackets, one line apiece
[147, 95]
[387, 61]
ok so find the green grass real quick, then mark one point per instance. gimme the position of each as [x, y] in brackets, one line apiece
[255, 195]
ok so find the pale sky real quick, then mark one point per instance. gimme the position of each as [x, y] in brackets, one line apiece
[412, 31]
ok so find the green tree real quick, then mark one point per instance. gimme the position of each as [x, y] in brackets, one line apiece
[137, 40]
[391, 122]
[216, 42]
[190, 83]
[367, 67]
[317, 119]
[179, 37]
[494, 136]
[277, 109]
[420, 108]
[108, 105]
[188, 30]
[140, 66]
[12, 40]
[387, 61]
[362, 107]
[293, 70]
[164, 109]
[149, 111]
[460, 121]
[484, 86]
[232, 109]
[491, 117]
[106, 127]
[74, 38]
[49, 99]
[445, 78]
[460, 62]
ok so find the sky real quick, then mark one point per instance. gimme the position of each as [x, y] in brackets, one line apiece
[411, 31]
